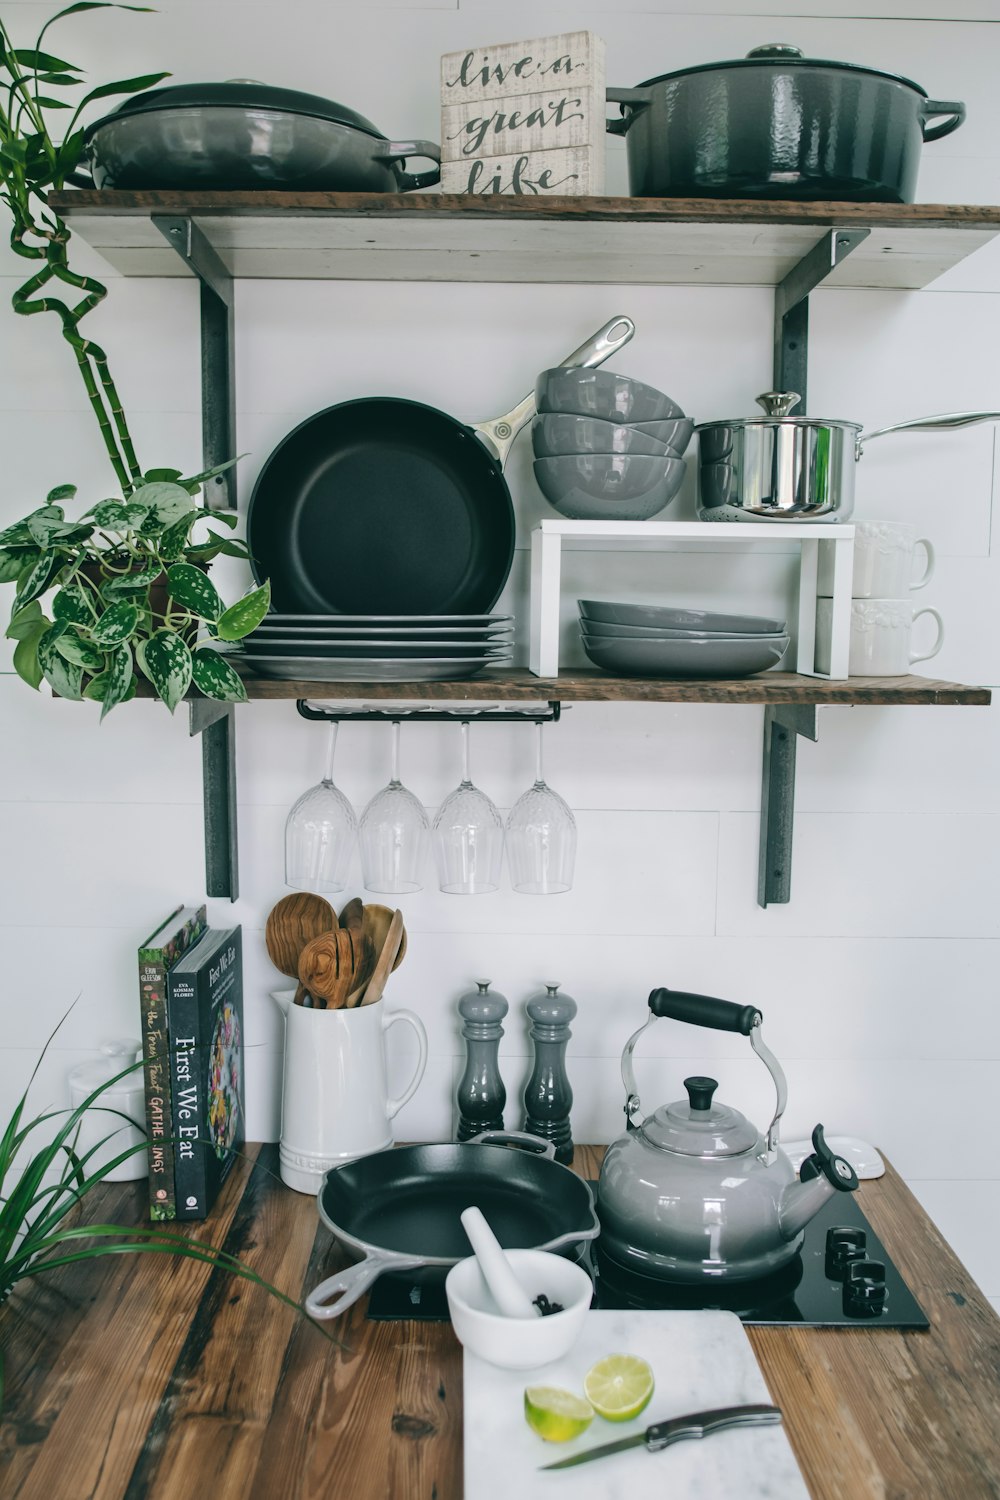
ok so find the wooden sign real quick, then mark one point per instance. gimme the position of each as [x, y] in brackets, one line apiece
[524, 117]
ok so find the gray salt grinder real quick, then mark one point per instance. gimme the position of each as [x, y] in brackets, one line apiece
[548, 1096]
[481, 1095]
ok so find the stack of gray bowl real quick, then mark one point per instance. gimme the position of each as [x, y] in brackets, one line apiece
[654, 640]
[607, 448]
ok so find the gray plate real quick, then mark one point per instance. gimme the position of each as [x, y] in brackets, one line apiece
[597, 630]
[705, 658]
[379, 650]
[362, 669]
[663, 615]
[469, 634]
[408, 622]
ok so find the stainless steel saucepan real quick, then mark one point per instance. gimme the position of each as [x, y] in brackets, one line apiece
[784, 468]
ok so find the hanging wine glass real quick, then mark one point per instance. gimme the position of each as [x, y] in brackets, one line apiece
[319, 834]
[468, 837]
[394, 834]
[541, 838]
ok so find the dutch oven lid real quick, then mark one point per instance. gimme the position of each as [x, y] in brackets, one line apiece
[239, 93]
[696, 1127]
[786, 56]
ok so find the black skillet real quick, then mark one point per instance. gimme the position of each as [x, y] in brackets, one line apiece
[399, 1210]
[387, 506]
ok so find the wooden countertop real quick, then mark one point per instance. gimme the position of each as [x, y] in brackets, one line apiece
[154, 1378]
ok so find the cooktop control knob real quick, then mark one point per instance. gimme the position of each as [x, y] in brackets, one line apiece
[844, 1244]
[864, 1289]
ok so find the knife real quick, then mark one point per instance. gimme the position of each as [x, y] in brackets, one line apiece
[699, 1424]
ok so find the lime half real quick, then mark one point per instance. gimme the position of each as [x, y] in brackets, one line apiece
[619, 1386]
[556, 1415]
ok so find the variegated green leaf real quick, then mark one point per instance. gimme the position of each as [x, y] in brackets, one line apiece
[173, 541]
[98, 686]
[190, 587]
[74, 648]
[245, 615]
[26, 657]
[110, 514]
[63, 677]
[13, 564]
[69, 604]
[131, 583]
[36, 578]
[17, 535]
[120, 678]
[61, 492]
[135, 513]
[116, 624]
[167, 663]
[44, 522]
[167, 501]
[24, 622]
[214, 676]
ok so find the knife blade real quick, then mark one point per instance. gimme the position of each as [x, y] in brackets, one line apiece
[698, 1424]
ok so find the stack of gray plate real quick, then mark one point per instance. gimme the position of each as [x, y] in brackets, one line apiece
[607, 448]
[377, 648]
[655, 640]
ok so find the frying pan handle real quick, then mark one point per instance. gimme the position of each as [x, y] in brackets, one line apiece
[515, 1138]
[499, 434]
[353, 1281]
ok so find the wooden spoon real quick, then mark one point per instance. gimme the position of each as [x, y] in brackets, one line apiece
[290, 925]
[377, 920]
[326, 968]
[352, 918]
[365, 958]
[386, 961]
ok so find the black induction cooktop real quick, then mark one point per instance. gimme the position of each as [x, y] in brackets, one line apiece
[841, 1278]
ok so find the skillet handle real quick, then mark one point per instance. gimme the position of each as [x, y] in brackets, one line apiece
[353, 1281]
[514, 1138]
[499, 434]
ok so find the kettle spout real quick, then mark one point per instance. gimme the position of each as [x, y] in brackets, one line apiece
[821, 1174]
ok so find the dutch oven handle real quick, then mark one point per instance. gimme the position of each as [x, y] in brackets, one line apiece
[931, 107]
[354, 1280]
[633, 102]
[410, 182]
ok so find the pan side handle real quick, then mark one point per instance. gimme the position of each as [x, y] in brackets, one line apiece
[353, 1281]
[499, 434]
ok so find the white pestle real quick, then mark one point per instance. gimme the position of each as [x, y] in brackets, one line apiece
[507, 1292]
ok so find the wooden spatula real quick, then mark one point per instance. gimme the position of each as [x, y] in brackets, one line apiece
[326, 968]
[291, 923]
[377, 919]
[352, 917]
[386, 960]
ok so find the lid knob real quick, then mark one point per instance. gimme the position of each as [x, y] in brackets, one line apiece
[776, 50]
[778, 403]
[700, 1091]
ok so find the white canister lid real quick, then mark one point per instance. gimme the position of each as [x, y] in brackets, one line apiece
[116, 1056]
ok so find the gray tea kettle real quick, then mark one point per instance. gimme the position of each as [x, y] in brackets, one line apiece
[693, 1190]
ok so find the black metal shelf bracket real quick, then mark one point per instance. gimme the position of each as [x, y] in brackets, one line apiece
[791, 309]
[216, 723]
[783, 723]
[489, 714]
[218, 342]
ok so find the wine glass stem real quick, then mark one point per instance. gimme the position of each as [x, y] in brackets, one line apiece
[394, 778]
[331, 750]
[466, 776]
[539, 781]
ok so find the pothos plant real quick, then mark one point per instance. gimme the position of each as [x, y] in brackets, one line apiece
[124, 583]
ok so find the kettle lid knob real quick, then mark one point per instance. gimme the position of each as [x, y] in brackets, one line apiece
[700, 1091]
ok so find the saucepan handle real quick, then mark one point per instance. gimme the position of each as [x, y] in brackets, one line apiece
[500, 433]
[948, 420]
[353, 1281]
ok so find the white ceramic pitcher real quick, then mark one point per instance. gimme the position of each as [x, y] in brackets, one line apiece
[335, 1103]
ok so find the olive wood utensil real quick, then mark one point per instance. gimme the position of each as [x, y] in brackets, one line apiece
[291, 923]
[386, 960]
[377, 920]
[366, 958]
[326, 968]
[352, 917]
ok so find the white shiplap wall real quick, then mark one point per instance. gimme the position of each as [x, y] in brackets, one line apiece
[878, 980]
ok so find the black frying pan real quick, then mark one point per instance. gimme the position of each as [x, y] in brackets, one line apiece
[386, 506]
[399, 1210]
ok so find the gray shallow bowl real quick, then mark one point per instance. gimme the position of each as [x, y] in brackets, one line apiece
[597, 631]
[602, 393]
[554, 434]
[689, 658]
[609, 486]
[665, 615]
[675, 431]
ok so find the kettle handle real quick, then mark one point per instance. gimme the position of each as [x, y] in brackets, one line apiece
[718, 1015]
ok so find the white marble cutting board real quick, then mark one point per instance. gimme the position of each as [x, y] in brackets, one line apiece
[699, 1360]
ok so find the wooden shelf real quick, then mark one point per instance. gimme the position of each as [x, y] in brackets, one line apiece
[520, 685]
[449, 237]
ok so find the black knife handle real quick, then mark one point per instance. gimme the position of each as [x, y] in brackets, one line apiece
[700, 1423]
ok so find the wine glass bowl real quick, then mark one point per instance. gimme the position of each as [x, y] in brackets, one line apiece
[468, 837]
[541, 839]
[393, 834]
[320, 832]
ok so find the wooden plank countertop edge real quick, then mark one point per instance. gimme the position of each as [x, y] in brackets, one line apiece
[153, 1377]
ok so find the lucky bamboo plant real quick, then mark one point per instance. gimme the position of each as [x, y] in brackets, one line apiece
[127, 578]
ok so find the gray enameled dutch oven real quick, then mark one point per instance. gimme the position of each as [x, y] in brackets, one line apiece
[777, 124]
[244, 134]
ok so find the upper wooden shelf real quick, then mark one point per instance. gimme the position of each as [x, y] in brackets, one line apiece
[455, 237]
[520, 685]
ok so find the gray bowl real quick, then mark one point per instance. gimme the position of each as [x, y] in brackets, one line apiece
[609, 486]
[670, 617]
[597, 630]
[690, 658]
[675, 431]
[556, 434]
[604, 394]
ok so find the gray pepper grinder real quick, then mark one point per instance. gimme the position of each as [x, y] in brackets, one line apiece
[481, 1095]
[548, 1096]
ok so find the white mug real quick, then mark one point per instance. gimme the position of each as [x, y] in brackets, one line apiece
[883, 561]
[880, 636]
[335, 1103]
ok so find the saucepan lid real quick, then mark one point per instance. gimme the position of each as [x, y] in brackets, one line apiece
[239, 93]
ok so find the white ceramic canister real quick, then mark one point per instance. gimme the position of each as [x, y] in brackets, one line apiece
[883, 561]
[335, 1103]
[115, 1122]
[880, 636]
